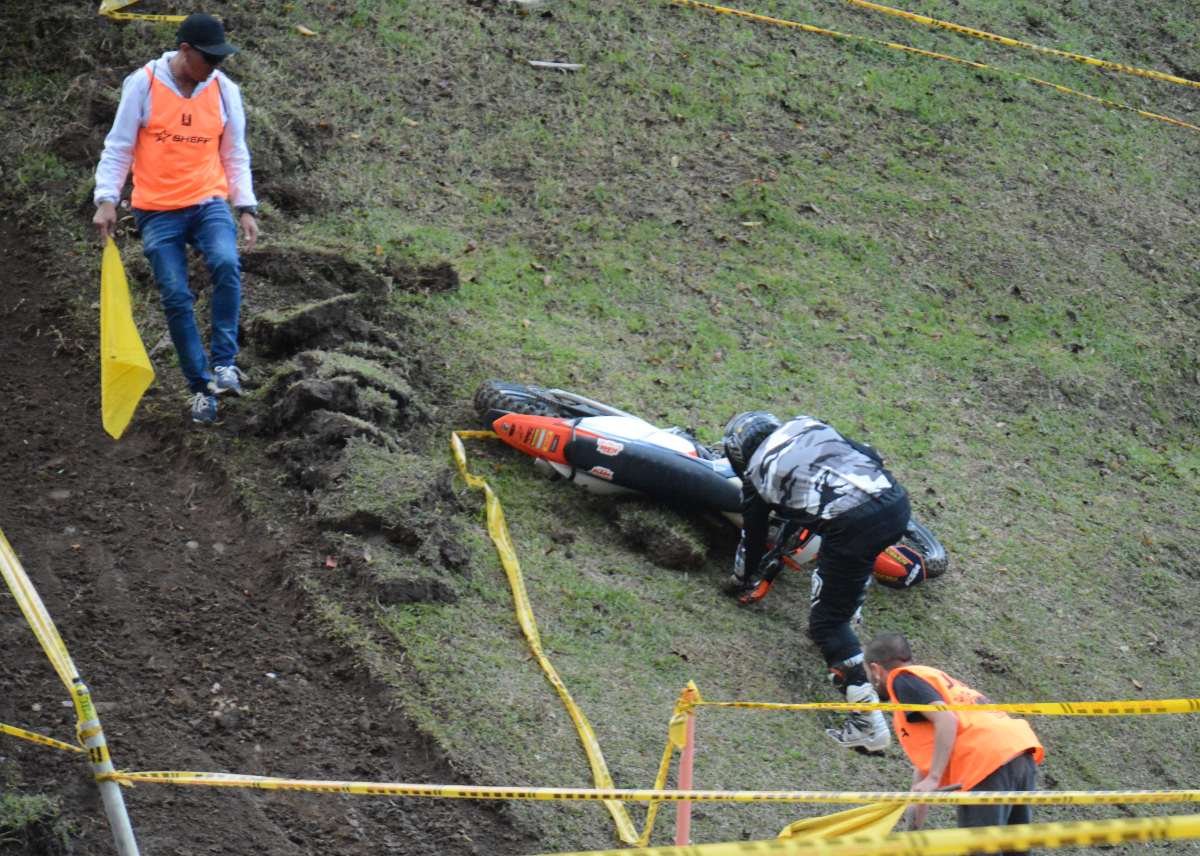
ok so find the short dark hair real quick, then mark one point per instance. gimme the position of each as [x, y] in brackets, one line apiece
[888, 649]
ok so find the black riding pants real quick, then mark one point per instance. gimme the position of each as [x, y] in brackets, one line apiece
[849, 545]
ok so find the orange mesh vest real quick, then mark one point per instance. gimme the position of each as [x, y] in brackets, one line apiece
[986, 740]
[176, 160]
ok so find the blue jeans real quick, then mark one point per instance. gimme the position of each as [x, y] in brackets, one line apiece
[208, 227]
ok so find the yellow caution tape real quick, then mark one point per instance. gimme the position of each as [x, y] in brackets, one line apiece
[809, 28]
[950, 842]
[688, 700]
[508, 558]
[22, 734]
[498, 529]
[493, 792]
[88, 730]
[140, 16]
[109, 10]
[35, 613]
[1055, 708]
[1016, 43]
[676, 739]
[877, 820]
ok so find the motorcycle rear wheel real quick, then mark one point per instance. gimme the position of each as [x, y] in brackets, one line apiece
[920, 538]
[499, 396]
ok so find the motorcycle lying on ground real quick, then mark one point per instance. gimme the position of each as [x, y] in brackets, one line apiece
[608, 451]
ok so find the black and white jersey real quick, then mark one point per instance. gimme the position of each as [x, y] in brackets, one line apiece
[806, 466]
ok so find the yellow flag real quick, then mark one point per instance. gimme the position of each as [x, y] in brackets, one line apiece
[875, 820]
[125, 370]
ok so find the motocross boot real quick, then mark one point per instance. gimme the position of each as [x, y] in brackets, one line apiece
[741, 582]
[864, 731]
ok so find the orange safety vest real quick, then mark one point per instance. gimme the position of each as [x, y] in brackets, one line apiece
[177, 160]
[986, 741]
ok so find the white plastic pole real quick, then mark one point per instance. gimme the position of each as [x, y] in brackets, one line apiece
[92, 736]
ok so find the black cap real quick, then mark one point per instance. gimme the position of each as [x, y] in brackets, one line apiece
[205, 34]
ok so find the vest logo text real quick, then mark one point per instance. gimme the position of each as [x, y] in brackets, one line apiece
[167, 136]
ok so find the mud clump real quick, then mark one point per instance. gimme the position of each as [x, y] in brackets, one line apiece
[395, 574]
[338, 394]
[288, 331]
[372, 490]
[328, 428]
[338, 383]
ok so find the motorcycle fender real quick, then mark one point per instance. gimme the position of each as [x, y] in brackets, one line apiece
[544, 437]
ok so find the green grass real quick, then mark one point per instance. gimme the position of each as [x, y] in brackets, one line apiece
[993, 283]
[714, 216]
[31, 820]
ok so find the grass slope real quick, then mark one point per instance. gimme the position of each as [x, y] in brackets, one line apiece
[993, 283]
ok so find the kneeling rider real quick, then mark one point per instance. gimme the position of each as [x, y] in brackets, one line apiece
[806, 472]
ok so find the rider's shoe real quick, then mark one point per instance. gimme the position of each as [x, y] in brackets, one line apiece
[864, 731]
[740, 582]
[862, 734]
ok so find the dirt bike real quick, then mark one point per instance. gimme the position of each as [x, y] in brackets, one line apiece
[608, 451]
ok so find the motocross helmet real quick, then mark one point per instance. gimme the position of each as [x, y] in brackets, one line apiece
[744, 433]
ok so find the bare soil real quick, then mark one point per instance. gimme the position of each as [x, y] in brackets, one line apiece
[179, 612]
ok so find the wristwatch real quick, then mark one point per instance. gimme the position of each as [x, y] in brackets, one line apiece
[252, 210]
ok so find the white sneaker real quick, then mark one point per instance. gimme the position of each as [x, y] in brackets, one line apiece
[227, 379]
[204, 408]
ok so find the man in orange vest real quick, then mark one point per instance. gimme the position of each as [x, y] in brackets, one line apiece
[181, 128]
[985, 751]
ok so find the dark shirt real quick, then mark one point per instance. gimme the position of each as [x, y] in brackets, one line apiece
[909, 689]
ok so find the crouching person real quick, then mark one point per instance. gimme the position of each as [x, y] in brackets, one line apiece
[984, 751]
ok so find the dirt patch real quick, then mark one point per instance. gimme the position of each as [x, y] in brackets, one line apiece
[668, 538]
[181, 613]
[423, 280]
[297, 276]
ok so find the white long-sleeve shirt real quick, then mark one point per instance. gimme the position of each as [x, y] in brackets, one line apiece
[134, 111]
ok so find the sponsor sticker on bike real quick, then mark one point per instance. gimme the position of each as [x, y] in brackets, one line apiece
[601, 473]
[542, 440]
[609, 447]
